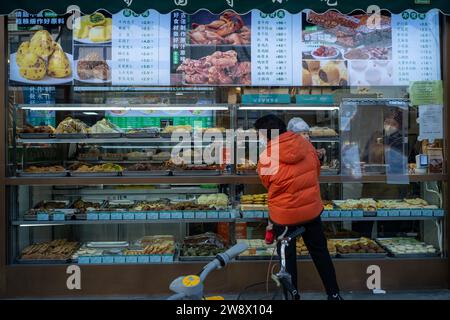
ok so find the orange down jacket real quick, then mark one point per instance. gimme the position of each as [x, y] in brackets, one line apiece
[291, 177]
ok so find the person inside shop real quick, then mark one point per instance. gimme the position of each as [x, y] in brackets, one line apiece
[294, 197]
[299, 126]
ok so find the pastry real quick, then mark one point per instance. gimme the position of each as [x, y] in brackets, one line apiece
[306, 78]
[330, 74]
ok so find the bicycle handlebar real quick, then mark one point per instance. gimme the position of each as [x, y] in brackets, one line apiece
[296, 233]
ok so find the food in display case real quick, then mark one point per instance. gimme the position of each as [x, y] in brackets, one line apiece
[106, 167]
[228, 29]
[220, 68]
[322, 132]
[254, 198]
[367, 204]
[112, 156]
[28, 128]
[219, 200]
[93, 154]
[257, 248]
[407, 246]
[51, 205]
[157, 205]
[119, 205]
[104, 126]
[358, 246]
[172, 129]
[92, 66]
[53, 250]
[151, 132]
[328, 205]
[203, 245]
[246, 165]
[159, 244]
[82, 206]
[162, 156]
[44, 169]
[69, 126]
[302, 250]
[144, 167]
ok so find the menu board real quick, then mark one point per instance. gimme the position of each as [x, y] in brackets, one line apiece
[272, 49]
[230, 49]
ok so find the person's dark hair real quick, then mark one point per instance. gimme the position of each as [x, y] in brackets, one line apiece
[270, 122]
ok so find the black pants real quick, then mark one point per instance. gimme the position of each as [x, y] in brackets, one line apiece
[316, 243]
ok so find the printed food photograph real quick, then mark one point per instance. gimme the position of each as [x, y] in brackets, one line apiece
[41, 60]
[324, 73]
[220, 68]
[93, 28]
[92, 68]
[228, 28]
[366, 49]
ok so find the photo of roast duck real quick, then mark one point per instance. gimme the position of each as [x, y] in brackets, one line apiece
[229, 29]
[217, 68]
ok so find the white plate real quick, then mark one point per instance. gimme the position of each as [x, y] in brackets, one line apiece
[328, 57]
[14, 74]
[87, 41]
[93, 81]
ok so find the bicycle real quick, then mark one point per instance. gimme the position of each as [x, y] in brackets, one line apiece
[191, 287]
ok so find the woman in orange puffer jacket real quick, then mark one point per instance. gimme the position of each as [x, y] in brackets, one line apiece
[289, 168]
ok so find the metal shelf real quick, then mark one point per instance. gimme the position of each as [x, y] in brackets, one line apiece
[222, 179]
[24, 223]
[357, 219]
[104, 140]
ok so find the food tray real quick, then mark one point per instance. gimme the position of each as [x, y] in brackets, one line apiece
[109, 158]
[105, 135]
[146, 173]
[196, 172]
[142, 135]
[42, 174]
[88, 158]
[71, 135]
[256, 257]
[196, 258]
[35, 135]
[43, 261]
[66, 203]
[108, 244]
[406, 255]
[362, 255]
[94, 174]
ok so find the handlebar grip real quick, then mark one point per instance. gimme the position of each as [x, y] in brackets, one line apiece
[231, 253]
[298, 232]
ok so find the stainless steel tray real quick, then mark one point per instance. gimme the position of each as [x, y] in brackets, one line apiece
[94, 174]
[142, 135]
[71, 135]
[146, 173]
[105, 135]
[35, 135]
[87, 158]
[196, 172]
[196, 258]
[108, 244]
[362, 255]
[42, 174]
